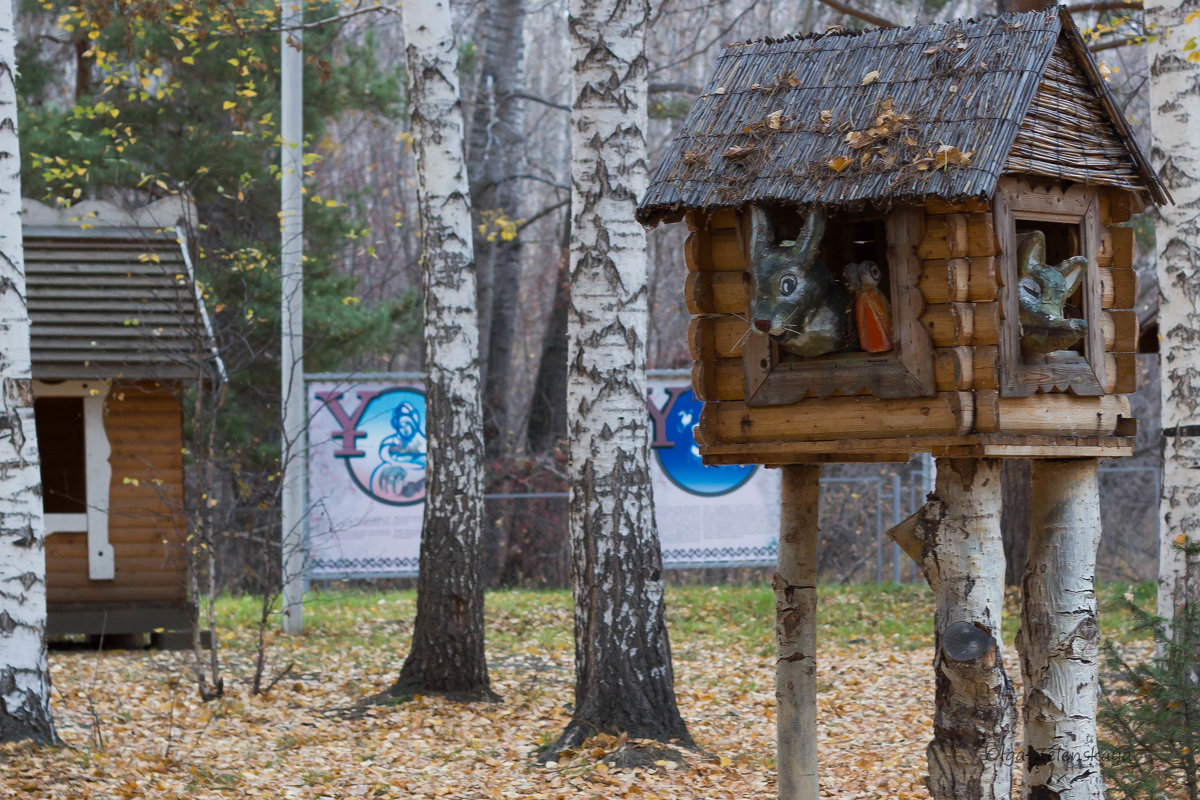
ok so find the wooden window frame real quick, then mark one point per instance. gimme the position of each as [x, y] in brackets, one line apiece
[905, 371]
[1018, 199]
[98, 470]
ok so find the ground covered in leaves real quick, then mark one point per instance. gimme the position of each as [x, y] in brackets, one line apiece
[134, 725]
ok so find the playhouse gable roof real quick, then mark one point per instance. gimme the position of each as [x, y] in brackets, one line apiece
[887, 116]
[112, 295]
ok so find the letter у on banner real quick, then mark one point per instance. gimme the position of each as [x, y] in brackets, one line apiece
[674, 446]
[390, 467]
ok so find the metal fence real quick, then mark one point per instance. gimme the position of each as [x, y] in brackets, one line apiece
[526, 541]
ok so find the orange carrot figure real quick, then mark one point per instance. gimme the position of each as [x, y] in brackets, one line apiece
[872, 313]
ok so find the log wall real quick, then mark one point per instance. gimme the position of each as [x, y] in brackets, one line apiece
[146, 527]
[964, 314]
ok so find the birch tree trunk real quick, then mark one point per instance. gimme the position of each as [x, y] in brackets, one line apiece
[447, 654]
[1059, 637]
[624, 681]
[1175, 116]
[496, 159]
[24, 671]
[957, 539]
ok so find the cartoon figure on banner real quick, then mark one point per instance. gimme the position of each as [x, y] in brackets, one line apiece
[382, 440]
[401, 472]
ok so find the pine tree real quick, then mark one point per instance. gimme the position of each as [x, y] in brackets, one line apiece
[1150, 710]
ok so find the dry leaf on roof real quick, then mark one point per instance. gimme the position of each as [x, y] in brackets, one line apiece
[737, 151]
[870, 77]
[775, 120]
[839, 163]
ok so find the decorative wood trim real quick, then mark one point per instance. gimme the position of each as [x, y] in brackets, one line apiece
[1076, 205]
[997, 445]
[865, 417]
[97, 452]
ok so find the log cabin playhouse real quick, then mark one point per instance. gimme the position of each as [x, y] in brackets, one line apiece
[912, 240]
[931, 150]
[117, 332]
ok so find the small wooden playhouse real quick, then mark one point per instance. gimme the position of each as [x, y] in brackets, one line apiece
[117, 332]
[932, 151]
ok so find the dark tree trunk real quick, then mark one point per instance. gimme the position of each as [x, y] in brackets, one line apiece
[1015, 492]
[496, 158]
[447, 655]
[548, 409]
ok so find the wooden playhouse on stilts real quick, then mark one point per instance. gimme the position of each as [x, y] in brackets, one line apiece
[117, 333]
[913, 240]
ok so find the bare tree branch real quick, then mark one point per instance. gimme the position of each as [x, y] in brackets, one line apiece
[865, 16]
[1137, 38]
[545, 211]
[1110, 5]
[663, 88]
[542, 100]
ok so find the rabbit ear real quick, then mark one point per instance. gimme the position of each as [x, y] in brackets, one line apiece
[808, 243]
[1073, 270]
[761, 236]
[1031, 251]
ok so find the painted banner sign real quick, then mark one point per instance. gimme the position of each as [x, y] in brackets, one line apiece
[707, 516]
[366, 477]
[366, 483]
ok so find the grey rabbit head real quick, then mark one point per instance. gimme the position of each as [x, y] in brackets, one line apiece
[796, 300]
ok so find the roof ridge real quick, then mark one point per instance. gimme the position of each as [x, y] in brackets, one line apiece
[838, 31]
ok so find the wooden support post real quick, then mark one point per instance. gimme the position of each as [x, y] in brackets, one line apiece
[795, 585]
[955, 537]
[1059, 636]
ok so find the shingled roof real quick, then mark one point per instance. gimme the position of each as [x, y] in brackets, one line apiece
[898, 115]
[112, 301]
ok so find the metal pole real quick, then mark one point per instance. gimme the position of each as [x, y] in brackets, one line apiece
[878, 531]
[291, 359]
[897, 516]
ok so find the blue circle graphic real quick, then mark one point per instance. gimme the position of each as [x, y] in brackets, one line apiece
[682, 463]
[392, 467]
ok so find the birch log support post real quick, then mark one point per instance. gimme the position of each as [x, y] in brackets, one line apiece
[795, 585]
[1059, 636]
[955, 537]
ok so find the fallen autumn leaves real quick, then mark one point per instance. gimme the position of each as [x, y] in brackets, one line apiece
[307, 739]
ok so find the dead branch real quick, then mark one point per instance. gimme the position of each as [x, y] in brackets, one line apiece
[857, 13]
[1112, 44]
[1110, 5]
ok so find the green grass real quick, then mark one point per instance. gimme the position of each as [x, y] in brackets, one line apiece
[739, 617]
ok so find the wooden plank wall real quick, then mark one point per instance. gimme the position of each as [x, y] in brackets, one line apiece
[144, 422]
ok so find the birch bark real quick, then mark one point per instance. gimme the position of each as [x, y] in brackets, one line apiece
[1059, 636]
[1175, 115]
[624, 681]
[957, 538]
[24, 671]
[447, 654]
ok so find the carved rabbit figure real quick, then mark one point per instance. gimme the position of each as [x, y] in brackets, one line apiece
[1042, 290]
[797, 302]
